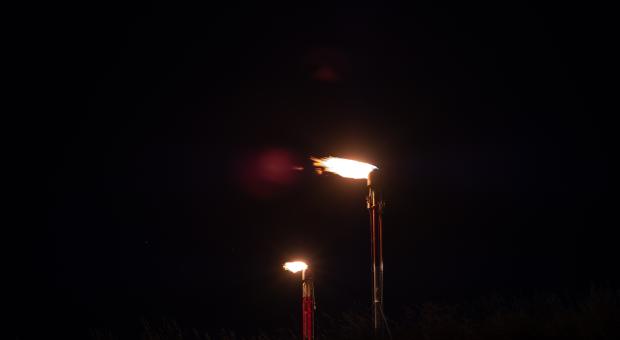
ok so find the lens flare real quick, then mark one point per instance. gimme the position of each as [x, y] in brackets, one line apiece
[344, 167]
[295, 266]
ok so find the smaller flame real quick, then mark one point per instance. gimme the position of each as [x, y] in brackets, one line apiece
[295, 266]
[344, 167]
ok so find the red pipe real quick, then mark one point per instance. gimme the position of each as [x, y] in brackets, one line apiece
[307, 330]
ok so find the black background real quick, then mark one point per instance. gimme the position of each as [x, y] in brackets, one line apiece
[485, 121]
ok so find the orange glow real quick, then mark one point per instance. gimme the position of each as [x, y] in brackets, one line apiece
[344, 167]
[295, 266]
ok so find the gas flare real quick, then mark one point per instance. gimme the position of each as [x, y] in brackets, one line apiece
[295, 266]
[343, 167]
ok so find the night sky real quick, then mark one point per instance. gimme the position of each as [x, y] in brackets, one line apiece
[171, 131]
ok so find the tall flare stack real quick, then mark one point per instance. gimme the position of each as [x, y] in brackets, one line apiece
[307, 298]
[349, 168]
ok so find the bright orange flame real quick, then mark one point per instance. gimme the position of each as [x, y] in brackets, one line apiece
[344, 167]
[295, 266]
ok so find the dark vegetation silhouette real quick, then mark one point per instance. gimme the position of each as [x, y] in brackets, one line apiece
[593, 316]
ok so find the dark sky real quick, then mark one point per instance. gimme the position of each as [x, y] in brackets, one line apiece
[170, 130]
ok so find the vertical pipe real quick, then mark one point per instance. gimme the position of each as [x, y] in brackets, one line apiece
[307, 309]
[376, 254]
[379, 218]
[313, 307]
[304, 317]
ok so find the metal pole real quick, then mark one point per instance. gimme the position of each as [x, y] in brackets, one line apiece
[307, 302]
[376, 245]
[379, 217]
